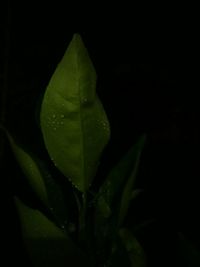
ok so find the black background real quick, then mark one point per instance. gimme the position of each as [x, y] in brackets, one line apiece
[147, 66]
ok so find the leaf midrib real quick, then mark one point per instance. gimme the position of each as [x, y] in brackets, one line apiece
[81, 122]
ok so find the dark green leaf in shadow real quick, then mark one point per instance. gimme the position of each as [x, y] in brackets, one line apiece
[134, 249]
[30, 169]
[127, 194]
[47, 245]
[122, 174]
[105, 233]
[58, 202]
[107, 204]
[73, 121]
[41, 181]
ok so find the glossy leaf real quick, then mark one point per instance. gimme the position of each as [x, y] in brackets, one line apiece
[128, 189]
[73, 121]
[47, 245]
[30, 169]
[134, 249]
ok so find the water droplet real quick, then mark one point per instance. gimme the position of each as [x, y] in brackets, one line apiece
[75, 185]
[54, 116]
[84, 100]
[62, 122]
[54, 128]
[62, 116]
[62, 226]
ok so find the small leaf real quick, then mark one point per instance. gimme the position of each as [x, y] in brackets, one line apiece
[30, 169]
[73, 121]
[46, 244]
[133, 247]
[128, 189]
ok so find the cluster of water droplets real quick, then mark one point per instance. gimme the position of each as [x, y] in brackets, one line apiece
[55, 121]
[103, 123]
[52, 159]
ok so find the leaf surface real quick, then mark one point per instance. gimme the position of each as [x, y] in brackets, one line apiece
[47, 245]
[73, 121]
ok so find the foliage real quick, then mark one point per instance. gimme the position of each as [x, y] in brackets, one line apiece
[73, 225]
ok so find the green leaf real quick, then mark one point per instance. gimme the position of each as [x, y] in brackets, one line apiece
[58, 204]
[128, 189]
[73, 121]
[135, 251]
[105, 232]
[41, 181]
[116, 179]
[107, 205]
[30, 169]
[47, 244]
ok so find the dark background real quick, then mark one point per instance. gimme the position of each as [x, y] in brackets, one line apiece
[148, 81]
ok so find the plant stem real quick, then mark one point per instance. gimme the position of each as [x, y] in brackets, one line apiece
[83, 212]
